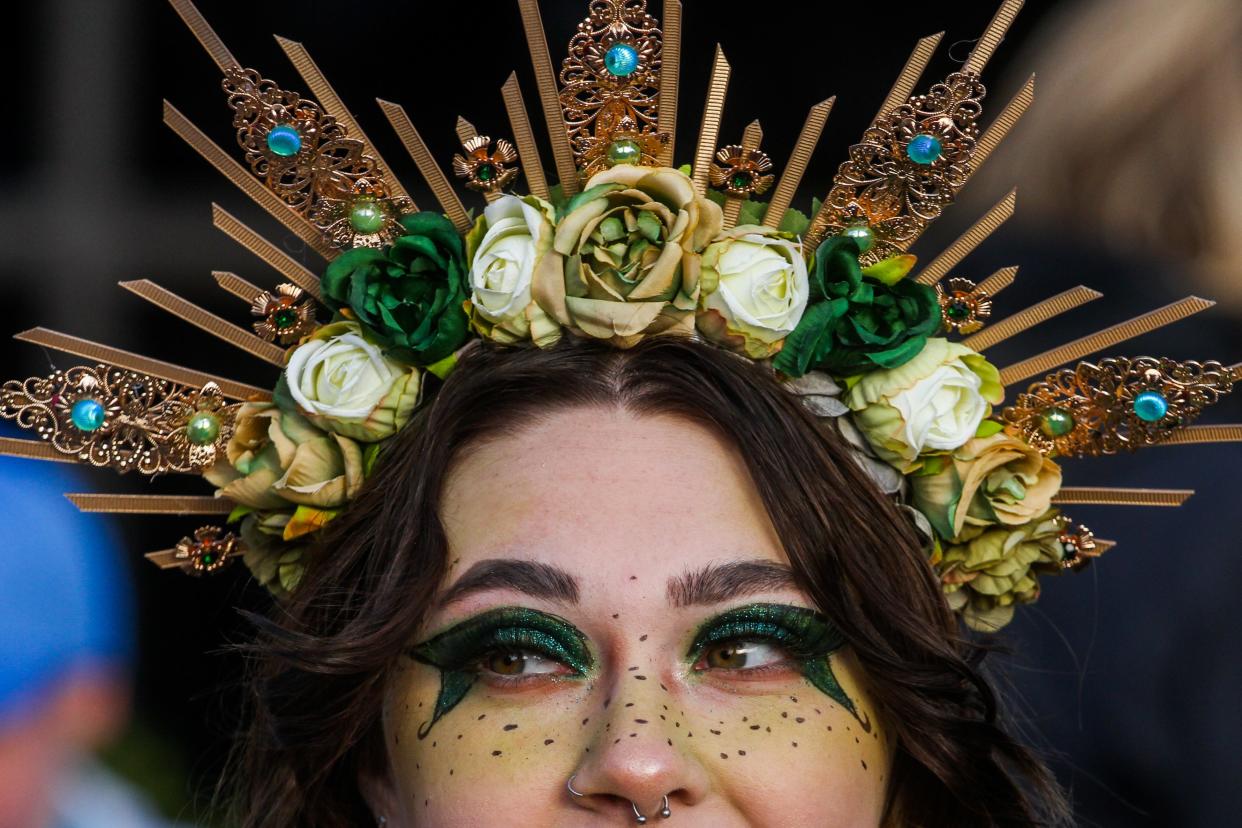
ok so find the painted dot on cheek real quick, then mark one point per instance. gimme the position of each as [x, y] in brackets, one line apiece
[795, 744]
[716, 732]
[548, 741]
[724, 756]
[864, 763]
[495, 753]
[642, 637]
[510, 727]
[755, 727]
[641, 721]
[741, 753]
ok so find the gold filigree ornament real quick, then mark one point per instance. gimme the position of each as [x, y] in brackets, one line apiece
[909, 166]
[742, 173]
[963, 305]
[210, 550]
[610, 87]
[1121, 404]
[311, 163]
[285, 315]
[1078, 545]
[486, 171]
[123, 420]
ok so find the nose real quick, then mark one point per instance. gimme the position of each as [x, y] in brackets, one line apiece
[639, 764]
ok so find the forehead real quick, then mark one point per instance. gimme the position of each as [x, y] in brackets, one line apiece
[604, 493]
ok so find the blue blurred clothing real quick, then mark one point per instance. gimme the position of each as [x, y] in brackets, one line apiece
[92, 797]
[65, 601]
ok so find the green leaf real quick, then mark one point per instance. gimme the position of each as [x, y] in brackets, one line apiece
[370, 455]
[989, 427]
[238, 513]
[752, 212]
[794, 221]
[685, 169]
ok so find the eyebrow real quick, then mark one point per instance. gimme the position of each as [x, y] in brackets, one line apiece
[711, 584]
[715, 583]
[538, 580]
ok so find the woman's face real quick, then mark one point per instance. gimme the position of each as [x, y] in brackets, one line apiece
[618, 609]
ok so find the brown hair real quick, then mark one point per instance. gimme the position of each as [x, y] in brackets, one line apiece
[321, 661]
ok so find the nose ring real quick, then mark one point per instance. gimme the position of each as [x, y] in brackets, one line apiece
[570, 785]
[665, 811]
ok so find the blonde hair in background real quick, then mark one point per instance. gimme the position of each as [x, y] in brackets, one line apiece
[1135, 138]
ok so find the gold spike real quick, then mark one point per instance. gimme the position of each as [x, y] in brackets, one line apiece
[1003, 123]
[798, 160]
[752, 138]
[549, 96]
[205, 34]
[209, 322]
[709, 134]
[1203, 434]
[1102, 546]
[670, 71]
[31, 450]
[125, 504]
[965, 244]
[992, 36]
[136, 362]
[334, 106]
[237, 286]
[1093, 496]
[1032, 316]
[998, 281]
[903, 88]
[285, 265]
[968, 241]
[524, 137]
[426, 164]
[246, 182]
[166, 559]
[1104, 339]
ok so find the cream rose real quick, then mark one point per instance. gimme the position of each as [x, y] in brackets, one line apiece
[934, 402]
[988, 481]
[346, 384]
[754, 290]
[502, 250]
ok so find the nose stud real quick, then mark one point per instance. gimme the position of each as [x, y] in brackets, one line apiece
[664, 811]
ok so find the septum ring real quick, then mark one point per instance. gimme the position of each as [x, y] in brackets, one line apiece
[639, 817]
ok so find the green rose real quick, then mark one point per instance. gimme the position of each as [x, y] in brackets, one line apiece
[625, 260]
[991, 569]
[755, 290]
[410, 294]
[277, 565]
[932, 403]
[858, 322]
[345, 384]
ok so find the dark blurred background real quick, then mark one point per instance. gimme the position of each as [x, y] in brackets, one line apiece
[1128, 673]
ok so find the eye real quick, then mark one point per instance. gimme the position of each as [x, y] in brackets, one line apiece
[740, 654]
[521, 663]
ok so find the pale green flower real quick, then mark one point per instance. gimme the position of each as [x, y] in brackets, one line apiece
[754, 290]
[502, 249]
[934, 402]
[990, 569]
[346, 384]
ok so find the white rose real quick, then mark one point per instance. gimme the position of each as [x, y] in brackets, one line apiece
[347, 385]
[935, 402]
[754, 290]
[503, 248]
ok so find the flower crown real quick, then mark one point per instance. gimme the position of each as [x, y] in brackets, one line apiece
[625, 246]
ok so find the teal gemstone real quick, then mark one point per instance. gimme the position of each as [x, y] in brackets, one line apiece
[203, 428]
[285, 318]
[924, 149]
[284, 140]
[861, 234]
[1056, 422]
[621, 60]
[366, 217]
[958, 310]
[624, 151]
[485, 172]
[88, 415]
[1151, 406]
[741, 181]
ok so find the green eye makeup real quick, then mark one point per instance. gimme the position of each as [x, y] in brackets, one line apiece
[807, 636]
[457, 651]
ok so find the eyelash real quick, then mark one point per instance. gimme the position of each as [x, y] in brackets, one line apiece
[781, 666]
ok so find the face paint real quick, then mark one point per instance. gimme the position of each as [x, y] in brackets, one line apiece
[803, 634]
[511, 634]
